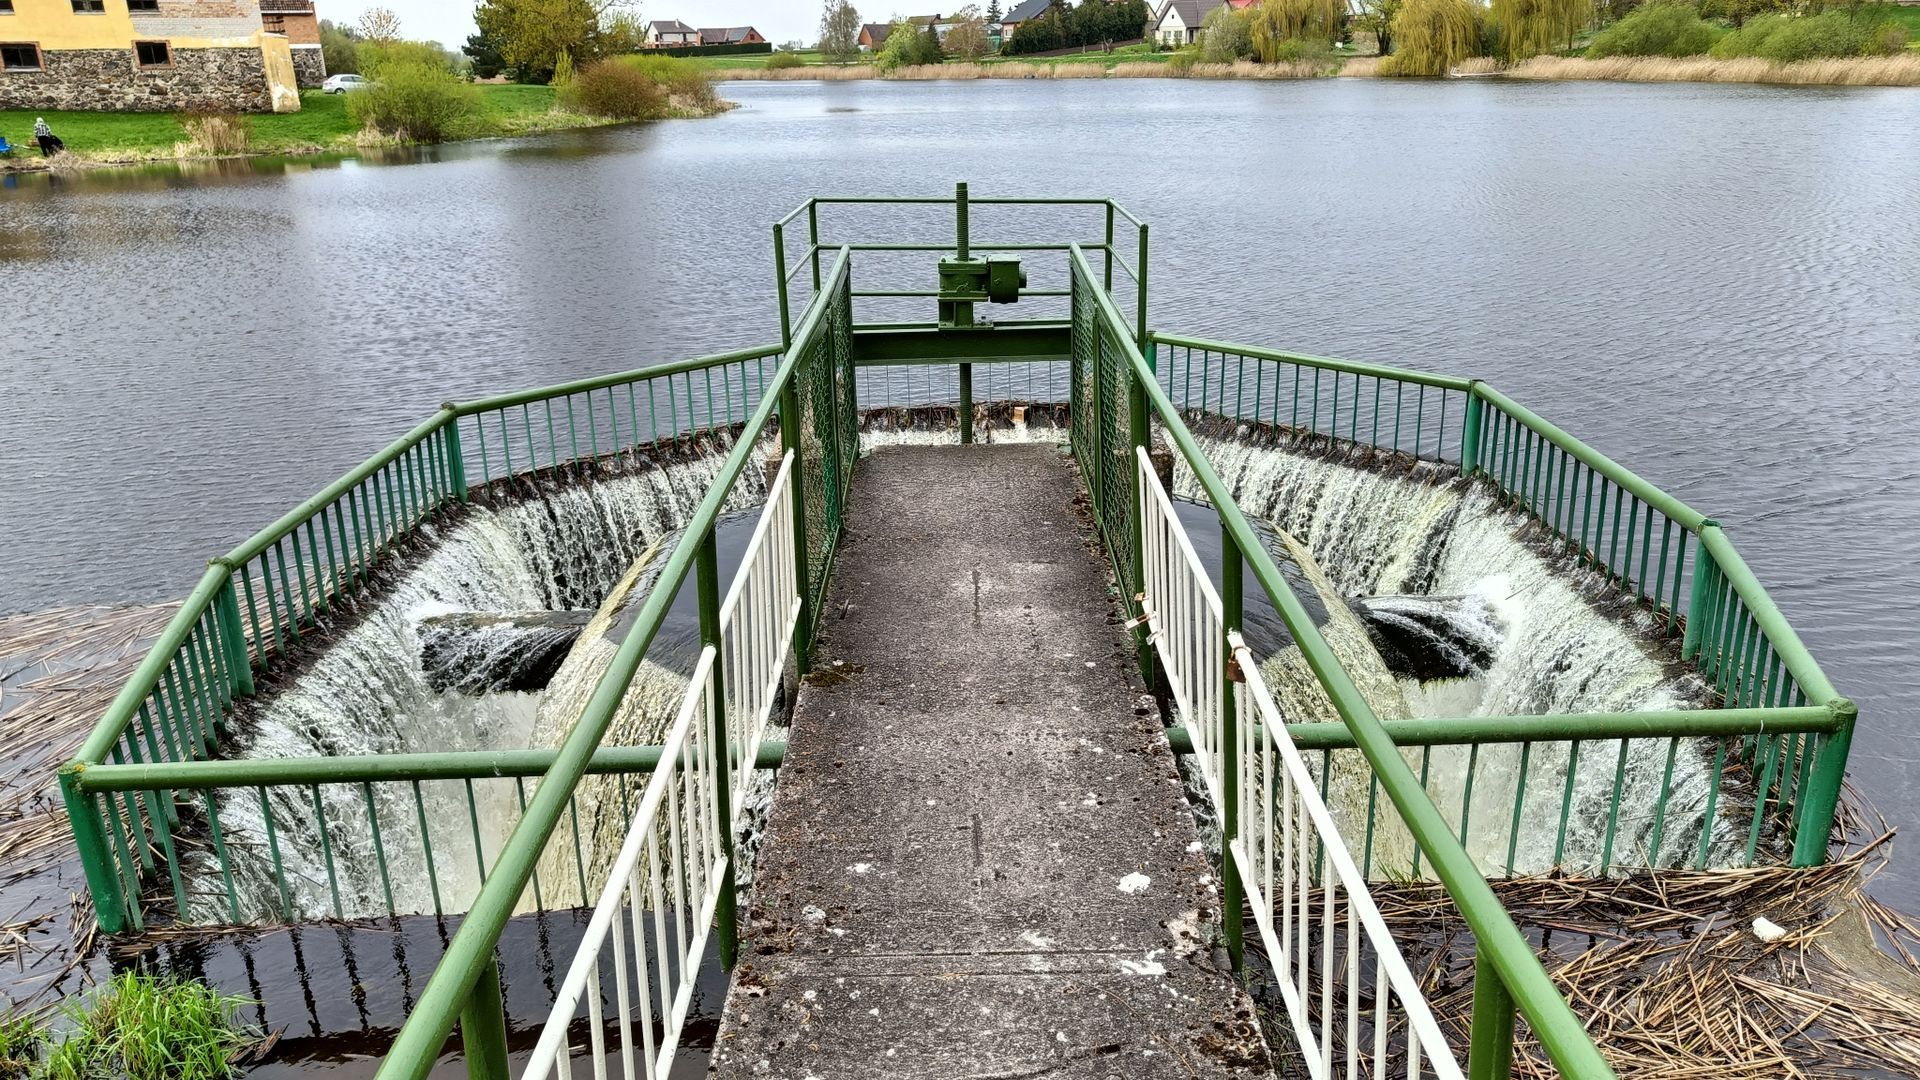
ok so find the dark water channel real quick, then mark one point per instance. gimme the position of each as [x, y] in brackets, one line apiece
[1716, 285]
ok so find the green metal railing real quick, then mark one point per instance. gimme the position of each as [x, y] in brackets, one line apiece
[146, 761]
[810, 393]
[147, 785]
[1788, 746]
[1118, 389]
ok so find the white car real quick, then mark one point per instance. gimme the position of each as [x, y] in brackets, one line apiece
[340, 84]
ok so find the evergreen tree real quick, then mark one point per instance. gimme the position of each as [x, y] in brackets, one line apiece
[993, 11]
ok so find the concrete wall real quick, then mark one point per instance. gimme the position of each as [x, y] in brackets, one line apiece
[221, 79]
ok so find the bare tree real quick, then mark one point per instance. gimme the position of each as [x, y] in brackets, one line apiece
[380, 25]
[967, 39]
[839, 32]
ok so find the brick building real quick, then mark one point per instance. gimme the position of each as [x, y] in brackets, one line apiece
[295, 19]
[143, 56]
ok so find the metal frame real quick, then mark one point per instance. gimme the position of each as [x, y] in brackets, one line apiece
[1783, 721]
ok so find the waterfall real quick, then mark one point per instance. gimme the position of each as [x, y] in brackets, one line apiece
[1419, 548]
[549, 545]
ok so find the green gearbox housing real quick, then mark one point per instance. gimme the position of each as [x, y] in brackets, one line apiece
[966, 281]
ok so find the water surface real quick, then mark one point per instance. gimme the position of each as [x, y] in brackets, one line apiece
[1717, 285]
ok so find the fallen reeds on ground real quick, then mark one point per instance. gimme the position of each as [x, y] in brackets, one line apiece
[1666, 971]
[1903, 70]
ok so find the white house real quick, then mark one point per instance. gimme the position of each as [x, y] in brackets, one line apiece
[1179, 21]
[667, 33]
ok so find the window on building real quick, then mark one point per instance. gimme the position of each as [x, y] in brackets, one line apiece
[19, 58]
[89, 7]
[152, 54]
[143, 5]
[6, 7]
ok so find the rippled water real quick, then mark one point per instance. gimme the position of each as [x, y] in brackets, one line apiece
[1717, 285]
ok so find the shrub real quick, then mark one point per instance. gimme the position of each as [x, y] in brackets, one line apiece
[616, 90]
[1665, 28]
[1181, 63]
[414, 94]
[684, 82]
[1784, 39]
[784, 61]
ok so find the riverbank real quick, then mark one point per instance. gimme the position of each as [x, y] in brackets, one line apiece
[1901, 70]
[322, 126]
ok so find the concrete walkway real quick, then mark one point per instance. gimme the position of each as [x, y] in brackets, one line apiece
[980, 861]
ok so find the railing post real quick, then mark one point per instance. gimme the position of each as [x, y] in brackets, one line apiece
[790, 440]
[96, 855]
[780, 274]
[1231, 888]
[1699, 595]
[963, 233]
[233, 639]
[1470, 432]
[1140, 300]
[456, 464]
[1490, 1051]
[707, 582]
[1141, 431]
[483, 1026]
[813, 239]
[966, 404]
[1107, 274]
[1822, 798]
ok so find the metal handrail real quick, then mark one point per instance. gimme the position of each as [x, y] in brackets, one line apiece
[470, 954]
[1509, 967]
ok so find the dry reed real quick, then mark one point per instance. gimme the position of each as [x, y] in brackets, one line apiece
[810, 73]
[214, 134]
[1667, 974]
[1479, 65]
[1847, 71]
[1361, 67]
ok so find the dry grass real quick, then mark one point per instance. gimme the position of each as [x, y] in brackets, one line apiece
[1479, 65]
[1671, 981]
[215, 135]
[1361, 67]
[1849, 71]
[810, 73]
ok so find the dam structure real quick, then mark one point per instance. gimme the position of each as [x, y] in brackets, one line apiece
[983, 695]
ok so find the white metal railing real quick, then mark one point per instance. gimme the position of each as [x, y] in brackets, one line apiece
[657, 903]
[757, 621]
[1350, 1019]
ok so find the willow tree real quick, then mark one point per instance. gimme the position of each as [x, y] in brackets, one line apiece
[1275, 21]
[1531, 27]
[1431, 36]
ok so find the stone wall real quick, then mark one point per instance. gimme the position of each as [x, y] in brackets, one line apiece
[225, 80]
[309, 67]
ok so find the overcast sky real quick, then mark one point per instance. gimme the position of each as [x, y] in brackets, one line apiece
[450, 21]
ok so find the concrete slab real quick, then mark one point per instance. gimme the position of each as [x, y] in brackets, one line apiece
[980, 862]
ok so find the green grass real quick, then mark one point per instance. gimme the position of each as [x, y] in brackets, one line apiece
[321, 123]
[136, 1027]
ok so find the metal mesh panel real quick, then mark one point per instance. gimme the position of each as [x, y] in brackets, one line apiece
[1101, 374]
[829, 429]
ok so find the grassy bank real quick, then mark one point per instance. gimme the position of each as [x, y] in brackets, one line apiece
[322, 125]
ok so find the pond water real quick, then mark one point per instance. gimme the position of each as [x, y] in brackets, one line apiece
[1717, 285]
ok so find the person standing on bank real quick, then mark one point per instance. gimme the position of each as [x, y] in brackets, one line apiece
[49, 142]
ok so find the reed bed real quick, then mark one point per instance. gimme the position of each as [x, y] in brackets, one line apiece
[810, 73]
[1361, 67]
[1479, 65]
[1903, 70]
[1666, 970]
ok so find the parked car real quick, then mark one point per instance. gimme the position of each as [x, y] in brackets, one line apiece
[340, 84]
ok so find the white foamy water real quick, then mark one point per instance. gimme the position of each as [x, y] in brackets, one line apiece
[1425, 533]
[555, 547]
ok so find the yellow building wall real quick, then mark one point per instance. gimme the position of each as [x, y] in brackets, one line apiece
[52, 24]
